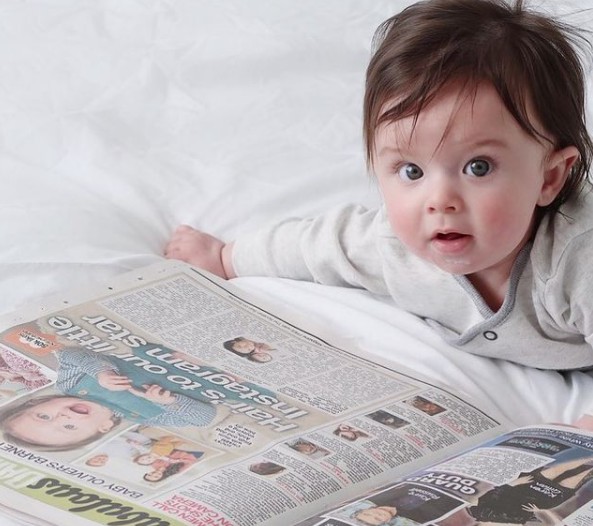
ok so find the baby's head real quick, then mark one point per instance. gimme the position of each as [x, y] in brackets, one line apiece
[97, 461]
[260, 357]
[239, 345]
[531, 61]
[474, 126]
[145, 459]
[252, 351]
[56, 423]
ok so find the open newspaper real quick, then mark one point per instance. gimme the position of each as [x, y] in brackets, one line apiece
[168, 398]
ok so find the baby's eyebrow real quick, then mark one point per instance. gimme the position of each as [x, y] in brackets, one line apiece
[392, 150]
[490, 142]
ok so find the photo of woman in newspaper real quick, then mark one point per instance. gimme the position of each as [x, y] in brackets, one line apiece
[426, 406]
[178, 461]
[387, 419]
[534, 495]
[266, 468]
[308, 448]
[349, 432]
[406, 504]
[98, 390]
[253, 351]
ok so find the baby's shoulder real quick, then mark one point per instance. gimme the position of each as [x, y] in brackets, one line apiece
[565, 240]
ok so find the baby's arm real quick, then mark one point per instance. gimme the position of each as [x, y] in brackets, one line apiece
[185, 411]
[337, 248]
[74, 363]
[201, 250]
[155, 393]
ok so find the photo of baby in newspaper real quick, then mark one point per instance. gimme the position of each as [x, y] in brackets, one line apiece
[130, 414]
[128, 380]
[147, 456]
[146, 399]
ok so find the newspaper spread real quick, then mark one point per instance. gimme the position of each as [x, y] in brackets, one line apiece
[535, 475]
[171, 399]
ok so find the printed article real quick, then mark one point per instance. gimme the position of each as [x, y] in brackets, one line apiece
[529, 476]
[172, 399]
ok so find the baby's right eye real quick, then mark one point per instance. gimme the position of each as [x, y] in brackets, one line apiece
[410, 172]
[43, 416]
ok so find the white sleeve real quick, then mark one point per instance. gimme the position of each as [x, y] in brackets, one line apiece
[338, 248]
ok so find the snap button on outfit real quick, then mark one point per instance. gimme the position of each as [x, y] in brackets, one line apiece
[490, 335]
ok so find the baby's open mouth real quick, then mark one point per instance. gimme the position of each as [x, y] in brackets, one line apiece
[80, 409]
[449, 236]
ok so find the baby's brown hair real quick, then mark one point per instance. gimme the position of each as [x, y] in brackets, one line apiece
[531, 59]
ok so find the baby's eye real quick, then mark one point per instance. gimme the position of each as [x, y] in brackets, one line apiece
[477, 168]
[43, 416]
[69, 427]
[410, 172]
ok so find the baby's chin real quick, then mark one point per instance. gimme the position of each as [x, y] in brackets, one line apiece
[455, 265]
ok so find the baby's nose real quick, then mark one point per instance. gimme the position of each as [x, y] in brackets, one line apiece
[443, 196]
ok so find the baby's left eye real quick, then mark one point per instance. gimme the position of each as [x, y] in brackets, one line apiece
[69, 427]
[477, 168]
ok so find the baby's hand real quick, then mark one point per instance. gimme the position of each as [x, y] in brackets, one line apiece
[155, 393]
[202, 250]
[113, 381]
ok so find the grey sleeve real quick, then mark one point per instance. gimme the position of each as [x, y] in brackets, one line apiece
[73, 364]
[569, 289]
[338, 248]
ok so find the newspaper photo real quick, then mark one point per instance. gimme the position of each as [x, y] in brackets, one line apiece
[529, 476]
[171, 399]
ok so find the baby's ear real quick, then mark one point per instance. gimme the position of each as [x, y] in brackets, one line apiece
[556, 170]
[106, 426]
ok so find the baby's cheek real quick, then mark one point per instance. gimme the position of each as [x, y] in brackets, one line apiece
[506, 224]
[403, 221]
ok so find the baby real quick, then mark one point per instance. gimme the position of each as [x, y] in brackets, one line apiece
[474, 125]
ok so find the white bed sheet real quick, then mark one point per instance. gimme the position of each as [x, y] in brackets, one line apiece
[120, 119]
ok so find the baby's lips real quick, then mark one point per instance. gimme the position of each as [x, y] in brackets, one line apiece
[80, 409]
[449, 236]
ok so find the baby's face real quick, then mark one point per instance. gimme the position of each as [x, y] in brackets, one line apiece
[261, 357]
[461, 184]
[307, 448]
[244, 346]
[154, 476]
[146, 459]
[97, 460]
[61, 421]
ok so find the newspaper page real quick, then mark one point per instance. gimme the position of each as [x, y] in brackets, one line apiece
[534, 475]
[170, 399]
